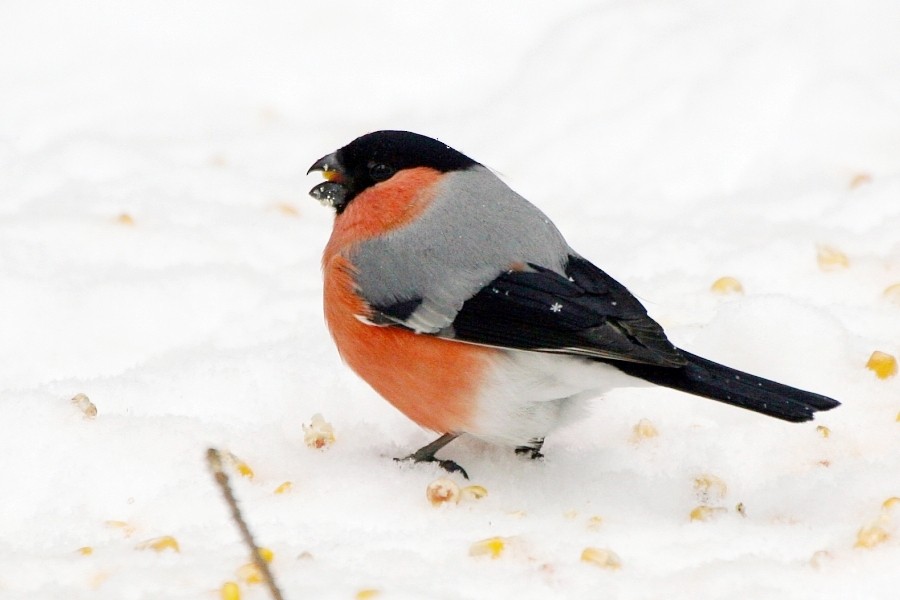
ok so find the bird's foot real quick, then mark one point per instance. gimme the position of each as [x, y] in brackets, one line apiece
[448, 465]
[426, 454]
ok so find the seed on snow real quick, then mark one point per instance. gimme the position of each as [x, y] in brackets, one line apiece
[85, 405]
[160, 544]
[831, 259]
[603, 558]
[441, 491]
[492, 547]
[230, 591]
[319, 433]
[727, 285]
[884, 365]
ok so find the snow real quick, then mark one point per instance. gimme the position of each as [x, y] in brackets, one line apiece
[158, 252]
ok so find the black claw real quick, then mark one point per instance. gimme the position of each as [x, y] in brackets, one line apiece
[451, 467]
[426, 454]
[533, 450]
[446, 464]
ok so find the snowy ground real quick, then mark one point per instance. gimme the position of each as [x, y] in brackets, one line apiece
[158, 252]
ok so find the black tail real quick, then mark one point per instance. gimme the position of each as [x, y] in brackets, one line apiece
[711, 380]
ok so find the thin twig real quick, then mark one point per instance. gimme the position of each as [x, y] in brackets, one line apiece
[215, 464]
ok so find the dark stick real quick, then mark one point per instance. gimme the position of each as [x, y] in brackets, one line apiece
[215, 465]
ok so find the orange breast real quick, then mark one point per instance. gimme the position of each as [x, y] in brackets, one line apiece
[432, 381]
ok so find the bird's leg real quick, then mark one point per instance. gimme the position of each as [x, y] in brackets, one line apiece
[427, 454]
[532, 450]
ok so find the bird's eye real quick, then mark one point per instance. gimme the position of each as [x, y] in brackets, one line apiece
[380, 171]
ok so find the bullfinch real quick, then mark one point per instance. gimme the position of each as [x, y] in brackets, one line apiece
[461, 304]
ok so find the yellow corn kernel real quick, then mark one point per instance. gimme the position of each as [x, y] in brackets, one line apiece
[891, 503]
[871, 536]
[706, 513]
[859, 179]
[605, 559]
[126, 528]
[266, 554]
[882, 364]
[160, 544]
[595, 522]
[643, 430]
[250, 574]
[892, 293]
[244, 470]
[284, 488]
[473, 492]
[319, 433]
[85, 551]
[727, 285]
[367, 593]
[709, 486]
[442, 491]
[287, 209]
[125, 219]
[85, 405]
[823, 431]
[492, 547]
[831, 259]
[230, 591]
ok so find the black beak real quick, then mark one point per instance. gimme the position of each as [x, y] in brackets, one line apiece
[333, 192]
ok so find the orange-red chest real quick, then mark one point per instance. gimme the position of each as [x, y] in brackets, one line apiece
[432, 381]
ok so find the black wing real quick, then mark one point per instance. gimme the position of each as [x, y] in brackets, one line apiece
[586, 313]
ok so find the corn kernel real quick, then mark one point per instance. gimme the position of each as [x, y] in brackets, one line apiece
[126, 528]
[250, 574]
[882, 364]
[442, 491]
[595, 522]
[125, 219]
[727, 285]
[823, 431]
[85, 405]
[284, 488]
[319, 433]
[492, 547]
[367, 593]
[871, 536]
[230, 591]
[85, 551]
[706, 513]
[891, 503]
[605, 559]
[819, 558]
[860, 179]
[473, 492]
[831, 259]
[266, 554]
[643, 430]
[709, 486]
[288, 209]
[892, 293]
[160, 544]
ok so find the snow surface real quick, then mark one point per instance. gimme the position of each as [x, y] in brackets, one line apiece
[158, 252]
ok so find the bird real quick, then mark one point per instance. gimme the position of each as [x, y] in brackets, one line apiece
[461, 304]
